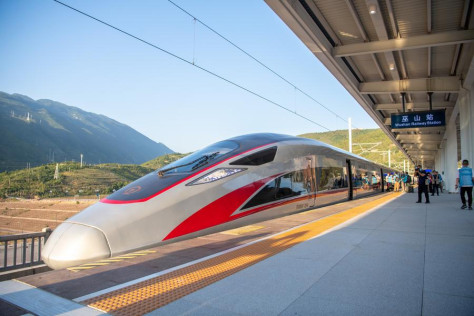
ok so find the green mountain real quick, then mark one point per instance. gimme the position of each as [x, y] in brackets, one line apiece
[372, 144]
[44, 131]
[73, 180]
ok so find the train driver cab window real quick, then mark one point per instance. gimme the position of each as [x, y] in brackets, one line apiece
[258, 158]
[200, 158]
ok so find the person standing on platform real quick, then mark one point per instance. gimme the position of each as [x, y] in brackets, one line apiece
[465, 180]
[440, 178]
[396, 182]
[430, 186]
[416, 174]
[423, 184]
[404, 181]
[435, 183]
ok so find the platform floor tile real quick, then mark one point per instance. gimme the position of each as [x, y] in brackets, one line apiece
[436, 304]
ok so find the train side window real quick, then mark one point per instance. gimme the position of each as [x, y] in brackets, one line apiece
[285, 187]
[266, 195]
[292, 184]
[365, 180]
[331, 178]
[258, 158]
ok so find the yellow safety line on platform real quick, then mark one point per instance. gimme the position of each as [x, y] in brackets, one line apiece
[154, 293]
[242, 230]
[105, 262]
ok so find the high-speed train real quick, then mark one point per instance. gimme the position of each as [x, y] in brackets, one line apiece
[231, 183]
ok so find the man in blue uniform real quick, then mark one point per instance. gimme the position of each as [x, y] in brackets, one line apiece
[423, 183]
[465, 180]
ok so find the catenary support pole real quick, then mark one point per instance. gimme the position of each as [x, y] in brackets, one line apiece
[349, 121]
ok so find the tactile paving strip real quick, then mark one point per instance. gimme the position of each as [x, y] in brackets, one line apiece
[152, 294]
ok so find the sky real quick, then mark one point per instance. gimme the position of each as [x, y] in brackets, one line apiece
[48, 51]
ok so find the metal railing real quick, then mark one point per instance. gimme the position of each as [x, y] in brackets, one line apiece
[14, 250]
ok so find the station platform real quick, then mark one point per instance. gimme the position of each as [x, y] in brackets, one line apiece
[378, 255]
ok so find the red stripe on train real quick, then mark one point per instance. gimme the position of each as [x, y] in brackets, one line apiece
[219, 211]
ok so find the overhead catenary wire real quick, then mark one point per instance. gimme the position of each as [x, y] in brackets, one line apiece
[192, 64]
[256, 60]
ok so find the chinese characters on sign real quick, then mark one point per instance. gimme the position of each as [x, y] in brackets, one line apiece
[419, 119]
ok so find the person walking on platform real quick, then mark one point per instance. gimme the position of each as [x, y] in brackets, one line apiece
[423, 184]
[465, 180]
[435, 183]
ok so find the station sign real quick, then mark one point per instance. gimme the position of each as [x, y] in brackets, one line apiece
[419, 119]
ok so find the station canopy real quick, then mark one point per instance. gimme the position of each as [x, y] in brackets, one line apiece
[386, 52]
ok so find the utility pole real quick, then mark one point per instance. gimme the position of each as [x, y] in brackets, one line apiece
[56, 172]
[349, 121]
[81, 159]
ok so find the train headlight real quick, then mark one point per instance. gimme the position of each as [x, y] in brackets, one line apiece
[217, 175]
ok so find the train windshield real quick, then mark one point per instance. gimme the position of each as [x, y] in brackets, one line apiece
[200, 158]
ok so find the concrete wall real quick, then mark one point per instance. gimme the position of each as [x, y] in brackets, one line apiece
[446, 157]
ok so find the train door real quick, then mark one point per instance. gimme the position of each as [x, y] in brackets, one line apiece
[302, 182]
[310, 179]
[382, 180]
[350, 178]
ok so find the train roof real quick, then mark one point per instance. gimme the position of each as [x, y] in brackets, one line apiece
[260, 139]
[263, 138]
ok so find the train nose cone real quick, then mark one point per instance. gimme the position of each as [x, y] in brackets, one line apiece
[73, 244]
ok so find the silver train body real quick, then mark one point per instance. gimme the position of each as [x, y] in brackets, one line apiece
[229, 184]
